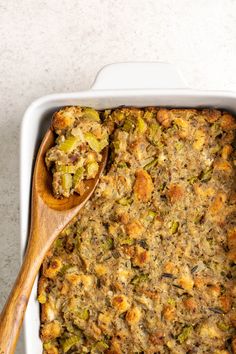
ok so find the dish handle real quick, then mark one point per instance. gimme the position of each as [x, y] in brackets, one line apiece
[153, 75]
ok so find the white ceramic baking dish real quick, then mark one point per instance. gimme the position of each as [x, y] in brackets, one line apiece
[133, 84]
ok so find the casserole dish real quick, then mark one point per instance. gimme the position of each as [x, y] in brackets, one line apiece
[129, 84]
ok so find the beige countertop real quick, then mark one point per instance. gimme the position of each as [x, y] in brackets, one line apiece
[58, 46]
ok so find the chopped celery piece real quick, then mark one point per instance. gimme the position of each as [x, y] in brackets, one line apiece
[68, 231]
[122, 165]
[108, 244]
[179, 145]
[223, 326]
[128, 125]
[215, 149]
[71, 328]
[151, 164]
[58, 243]
[69, 144]
[90, 113]
[171, 301]
[92, 169]
[100, 347]
[159, 145]
[192, 179]
[103, 143]
[124, 201]
[183, 336]
[106, 113]
[141, 125]
[70, 342]
[151, 215]
[66, 169]
[216, 129]
[206, 175]
[127, 241]
[42, 298]
[174, 227]
[78, 176]
[148, 115]
[139, 279]
[83, 314]
[94, 143]
[64, 268]
[66, 181]
[162, 187]
[116, 145]
[119, 115]
[153, 129]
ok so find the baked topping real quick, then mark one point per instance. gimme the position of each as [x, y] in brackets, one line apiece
[149, 266]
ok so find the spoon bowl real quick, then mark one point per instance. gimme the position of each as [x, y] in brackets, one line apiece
[49, 216]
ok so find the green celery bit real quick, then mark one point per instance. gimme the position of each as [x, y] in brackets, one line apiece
[69, 342]
[162, 187]
[171, 301]
[108, 245]
[69, 144]
[179, 145]
[90, 113]
[116, 145]
[58, 243]
[151, 164]
[215, 149]
[78, 176]
[148, 115]
[106, 113]
[94, 143]
[68, 231]
[83, 314]
[124, 201]
[141, 125]
[64, 268]
[159, 144]
[126, 241]
[122, 165]
[100, 347]
[192, 179]
[92, 169]
[66, 181]
[139, 279]
[174, 227]
[71, 328]
[206, 175]
[153, 129]
[223, 326]
[151, 215]
[103, 143]
[216, 129]
[119, 116]
[66, 169]
[183, 336]
[128, 125]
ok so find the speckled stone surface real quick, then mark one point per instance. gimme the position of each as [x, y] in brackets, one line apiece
[58, 46]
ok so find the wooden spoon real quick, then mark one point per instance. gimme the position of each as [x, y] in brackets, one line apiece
[49, 216]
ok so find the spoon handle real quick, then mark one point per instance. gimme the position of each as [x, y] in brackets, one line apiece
[13, 312]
